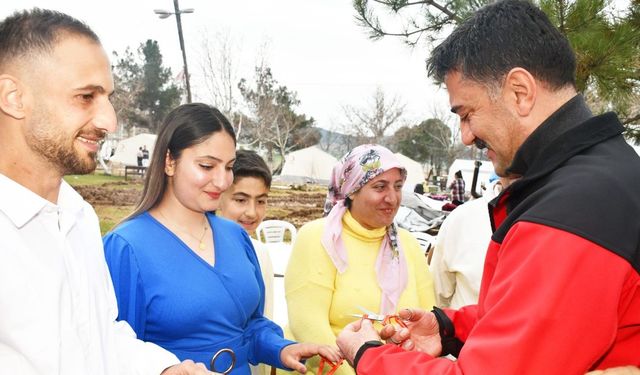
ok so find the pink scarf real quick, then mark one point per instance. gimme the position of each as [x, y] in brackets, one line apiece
[353, 171]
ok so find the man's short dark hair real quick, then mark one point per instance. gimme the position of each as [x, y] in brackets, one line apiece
[37, 31]
[250, 164]
[500, 37]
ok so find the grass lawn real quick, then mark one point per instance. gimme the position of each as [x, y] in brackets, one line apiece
[111, 215]
[91, 179]
[113, 198]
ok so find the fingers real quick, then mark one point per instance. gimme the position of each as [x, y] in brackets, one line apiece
[398, 337]
[201, 366]
[330, 353]
[411, 315]
[408, 345]
[355, 326]
[387, 331]
[365, 324]
[298, 366]
[627, 370]
[291, 355]
[394, 341]
[187, 367]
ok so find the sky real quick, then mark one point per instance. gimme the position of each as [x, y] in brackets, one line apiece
[314, 47]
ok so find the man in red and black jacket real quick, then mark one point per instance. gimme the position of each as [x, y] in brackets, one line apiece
[560, 292]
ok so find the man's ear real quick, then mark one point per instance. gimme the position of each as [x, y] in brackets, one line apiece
[521, 90]
[169, 164]
[11, 97]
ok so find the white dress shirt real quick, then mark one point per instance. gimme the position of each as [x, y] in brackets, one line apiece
[266, 267]
[57, 304]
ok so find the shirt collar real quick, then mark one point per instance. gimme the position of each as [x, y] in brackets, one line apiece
[21, 205]
[569, 115]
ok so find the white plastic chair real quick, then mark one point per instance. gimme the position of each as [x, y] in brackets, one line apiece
[426, 241]
[273, 231]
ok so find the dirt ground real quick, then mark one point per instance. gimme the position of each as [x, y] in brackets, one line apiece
[294, 206]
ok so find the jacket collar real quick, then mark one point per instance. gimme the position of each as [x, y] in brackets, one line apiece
[568, 131]
[568, 116]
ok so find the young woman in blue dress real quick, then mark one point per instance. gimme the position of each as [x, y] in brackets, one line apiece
[186, 279]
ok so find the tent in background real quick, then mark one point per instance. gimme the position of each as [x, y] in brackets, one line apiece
[415, 172]
[310, 164]
[127, 149]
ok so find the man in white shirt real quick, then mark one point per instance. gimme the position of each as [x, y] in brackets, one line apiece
[57, 305]
[457, 259]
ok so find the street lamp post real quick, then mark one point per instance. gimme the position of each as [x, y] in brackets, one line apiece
[165, 14]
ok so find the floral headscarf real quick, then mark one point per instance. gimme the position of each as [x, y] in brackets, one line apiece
[353, 171]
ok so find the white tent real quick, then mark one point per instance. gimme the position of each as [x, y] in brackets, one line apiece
[467, 166]
[310, 163]
[127, 149]
[415, 172]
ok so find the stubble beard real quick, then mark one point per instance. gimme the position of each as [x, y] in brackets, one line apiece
[57, 148]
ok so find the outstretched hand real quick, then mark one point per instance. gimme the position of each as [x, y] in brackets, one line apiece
[292, 355]
[422, 333]
[353, 336]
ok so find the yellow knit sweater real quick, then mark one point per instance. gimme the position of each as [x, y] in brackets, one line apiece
[320, 300]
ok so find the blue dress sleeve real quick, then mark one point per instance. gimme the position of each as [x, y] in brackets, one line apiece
[265, 336]
[127, 282]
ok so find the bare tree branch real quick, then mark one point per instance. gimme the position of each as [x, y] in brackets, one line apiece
[373, 122]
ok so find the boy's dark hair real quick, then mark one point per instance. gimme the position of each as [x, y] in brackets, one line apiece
[37, 31]
[250, 164]
[500, 37]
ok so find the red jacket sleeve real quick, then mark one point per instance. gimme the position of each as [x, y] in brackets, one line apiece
[552, 305]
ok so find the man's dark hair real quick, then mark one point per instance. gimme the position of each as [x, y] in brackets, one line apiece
[37, 31]
[250, 164]
[500, 37]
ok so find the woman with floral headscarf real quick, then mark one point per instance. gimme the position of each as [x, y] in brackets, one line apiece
[356, 256]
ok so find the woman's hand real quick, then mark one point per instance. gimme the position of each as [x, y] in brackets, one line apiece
[292, 355]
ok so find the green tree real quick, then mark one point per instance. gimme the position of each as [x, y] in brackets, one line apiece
[273, 121]
[145, 92]
[421, 19]
[606, 41]
[431, 142]
[127, 75]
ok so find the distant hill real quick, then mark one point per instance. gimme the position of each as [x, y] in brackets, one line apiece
[336, 144]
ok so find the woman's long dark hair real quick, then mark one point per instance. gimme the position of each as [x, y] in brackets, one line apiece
[185, 126]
